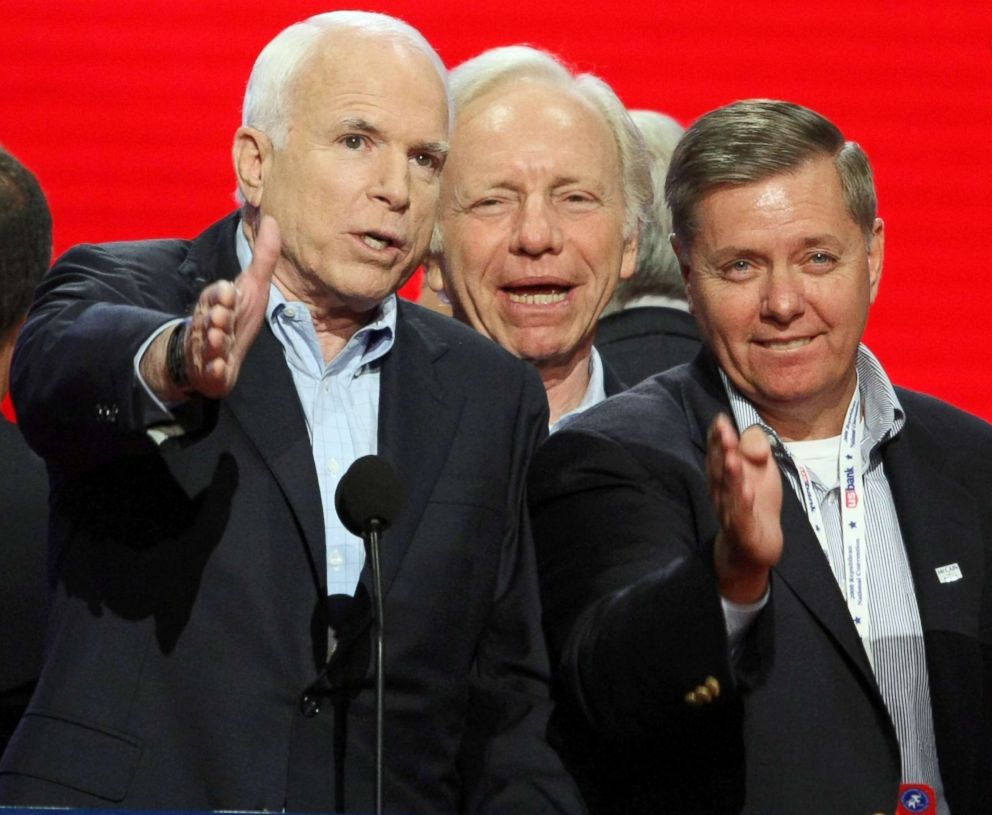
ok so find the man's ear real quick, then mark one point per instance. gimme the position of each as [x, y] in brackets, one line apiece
[628, 261]
[252, 152]
[682, 254]
[432, 271]
[876, 256]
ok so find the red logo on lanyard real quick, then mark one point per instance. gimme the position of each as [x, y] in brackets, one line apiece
[850, 492]
[917, 799]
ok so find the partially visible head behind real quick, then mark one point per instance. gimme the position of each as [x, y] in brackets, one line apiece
[752, 140]
[657, 270]
[25, 240]
[544, 194]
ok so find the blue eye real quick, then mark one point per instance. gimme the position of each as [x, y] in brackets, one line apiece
[353, 142]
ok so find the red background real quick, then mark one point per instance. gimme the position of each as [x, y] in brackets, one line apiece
[125, 111]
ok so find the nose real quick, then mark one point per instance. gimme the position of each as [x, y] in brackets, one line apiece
[783, 298]
[536, 230]
[391, 180]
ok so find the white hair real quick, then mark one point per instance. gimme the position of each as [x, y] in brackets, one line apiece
[657, 269]
[500, 66]
[268, 95]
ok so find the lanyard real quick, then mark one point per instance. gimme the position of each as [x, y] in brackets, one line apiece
[854, 584]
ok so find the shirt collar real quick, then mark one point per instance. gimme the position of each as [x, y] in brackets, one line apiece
[595, 392]
[883, 415]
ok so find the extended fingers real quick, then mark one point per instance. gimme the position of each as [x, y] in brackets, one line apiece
[731, 492]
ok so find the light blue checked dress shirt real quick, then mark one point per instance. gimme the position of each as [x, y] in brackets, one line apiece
[340, 401]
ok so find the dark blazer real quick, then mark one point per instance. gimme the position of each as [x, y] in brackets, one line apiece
[624, 528]
[23, 593]
[188, 657]
[646, 340]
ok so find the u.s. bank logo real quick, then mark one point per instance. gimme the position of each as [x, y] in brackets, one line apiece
[850, 494]
[913, 799]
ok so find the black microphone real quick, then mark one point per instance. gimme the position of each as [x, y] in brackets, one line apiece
[367, 500]
[369, 494]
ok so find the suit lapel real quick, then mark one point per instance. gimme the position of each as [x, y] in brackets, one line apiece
[265, 404]
[417, 417]
[940, 527]
[264, 401]
[939, 524]
[806, 571]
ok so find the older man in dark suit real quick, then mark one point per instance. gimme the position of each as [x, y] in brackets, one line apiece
[766, 573]
[210, 641]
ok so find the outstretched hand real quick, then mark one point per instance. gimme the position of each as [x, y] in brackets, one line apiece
[227, 318]
[225, 321]
[746, 488]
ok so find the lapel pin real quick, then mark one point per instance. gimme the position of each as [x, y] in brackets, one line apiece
[949, 573]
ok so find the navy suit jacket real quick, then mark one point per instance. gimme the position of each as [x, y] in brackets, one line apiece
[624, 528]
[23, 592]
[646, 340]
[188, 653]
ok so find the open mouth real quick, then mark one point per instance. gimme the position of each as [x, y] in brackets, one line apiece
[379, 241]
[537, 295]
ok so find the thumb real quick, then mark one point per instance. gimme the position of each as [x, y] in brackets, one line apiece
[253, 283]
[754, 445]
[265, 253]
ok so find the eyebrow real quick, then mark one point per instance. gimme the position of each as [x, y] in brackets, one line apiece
[356, 123]
[365, 126]
[439, 147]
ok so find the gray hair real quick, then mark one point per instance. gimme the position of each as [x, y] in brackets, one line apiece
[657, 269]
[25, 240]
[500, 66]
[755, 139]
[267, 102]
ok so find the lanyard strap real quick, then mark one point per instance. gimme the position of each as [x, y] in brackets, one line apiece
[854, 584]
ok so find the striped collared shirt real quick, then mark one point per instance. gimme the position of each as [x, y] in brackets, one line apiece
[896, 639]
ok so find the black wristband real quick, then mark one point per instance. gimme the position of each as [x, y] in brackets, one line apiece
[175, 356]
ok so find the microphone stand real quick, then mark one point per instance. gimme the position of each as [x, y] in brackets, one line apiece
[373, 538]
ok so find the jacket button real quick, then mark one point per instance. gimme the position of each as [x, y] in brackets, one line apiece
[309, 705]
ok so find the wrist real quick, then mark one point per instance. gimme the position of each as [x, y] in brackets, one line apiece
[175, 357]
[740, 579]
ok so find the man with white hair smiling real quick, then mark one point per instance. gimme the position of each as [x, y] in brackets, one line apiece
[198, 404]
[543, 197]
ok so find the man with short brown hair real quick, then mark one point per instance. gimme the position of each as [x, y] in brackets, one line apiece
[772, 551]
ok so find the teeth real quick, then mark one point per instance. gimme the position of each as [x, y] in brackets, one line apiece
[538, 299]
[787, 346]
[374, 243]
